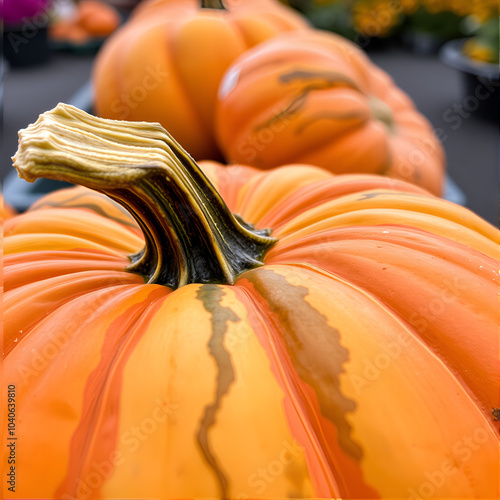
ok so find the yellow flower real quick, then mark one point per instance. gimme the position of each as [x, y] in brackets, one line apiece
[375, 18]
[476, 50]
[435, 6]
[483, 9]
[409, 6]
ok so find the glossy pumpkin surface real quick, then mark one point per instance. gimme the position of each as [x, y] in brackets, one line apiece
[358, 362]
[166, 63]
[316, 98]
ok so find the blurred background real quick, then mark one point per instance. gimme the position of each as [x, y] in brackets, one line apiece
[443, 53]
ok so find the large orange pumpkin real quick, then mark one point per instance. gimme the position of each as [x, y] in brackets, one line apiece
[355, 358]
[166, 63]
[316, 98]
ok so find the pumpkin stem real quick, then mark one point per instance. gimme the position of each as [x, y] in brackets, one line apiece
[213, 4]
[190, 234]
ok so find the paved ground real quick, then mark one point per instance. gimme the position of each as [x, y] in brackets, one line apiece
[31, 91]
[471, 143]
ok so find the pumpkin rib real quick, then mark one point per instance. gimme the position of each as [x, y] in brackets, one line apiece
[183, 81]
[24, 306]
[226, 178]
[330, 189]
[281, 369]
[343, 146]
[404, 237]
[308, 154]
[36, 378]
[380, 303]
[180, 81]
[375, 199]
[180, 363]
[349, 264]
[48, 268]
[62, 255]
[102, 382]
[86, 199]
[294, 152]
[399, 218]
[337, 462]
[276, 189]
[211, 295]
[20, 243]
[243, 33]
[433, 164]
[93, 228]
[122, 42]
[288, 379]
[286, 104]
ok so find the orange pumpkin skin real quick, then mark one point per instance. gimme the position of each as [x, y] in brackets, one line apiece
[98, 18]
[166, 63]
[356, 363]
[316, 98]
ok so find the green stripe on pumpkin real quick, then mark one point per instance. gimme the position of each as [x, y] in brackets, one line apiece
[314, 349]
[211, 297]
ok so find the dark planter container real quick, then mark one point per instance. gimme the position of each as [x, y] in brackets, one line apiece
[26, 44]
[480, 81]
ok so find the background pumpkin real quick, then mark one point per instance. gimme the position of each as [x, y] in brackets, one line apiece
[166, 63]
[318, 370]
[147, 6]
[91, 19]
[316, 98]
